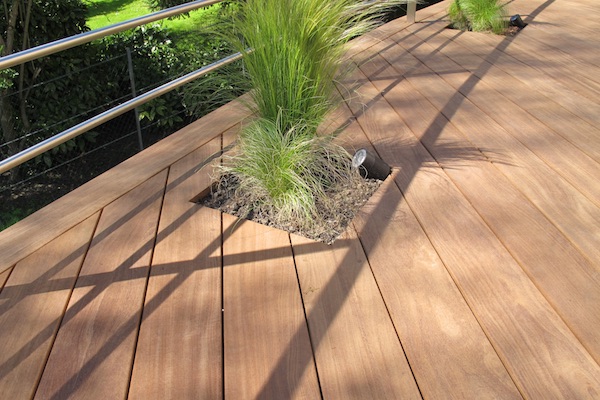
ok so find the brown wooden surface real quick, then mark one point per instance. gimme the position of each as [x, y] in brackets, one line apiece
[179, 348]
[4, 276]
[93, 352]
[457, 227]
[348, 321]
[568, 209]
[447, 349]
[17, 241]
[36, 295]
[267, 349]
[542, 250]
[473, 272]
[434, 323]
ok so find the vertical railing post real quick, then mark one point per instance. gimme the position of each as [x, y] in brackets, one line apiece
[411, 11]
[133, 92]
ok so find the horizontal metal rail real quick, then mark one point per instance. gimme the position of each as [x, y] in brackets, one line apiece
[86, 37]
[91, 123]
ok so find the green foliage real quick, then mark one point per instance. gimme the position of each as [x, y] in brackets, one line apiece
[155, 61]
[478, 15]
[162, 4]
[42, 108]
[286, 172]
[216, 88]
[297, 52]
[297, 49]
[12, 216]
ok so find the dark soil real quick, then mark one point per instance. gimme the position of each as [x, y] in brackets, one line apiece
[347, 200]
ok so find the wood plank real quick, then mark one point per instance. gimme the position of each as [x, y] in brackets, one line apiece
[24, 237]
[357, 350]
[32, 306]
[531, 339]
[4, 277]
[179, 347]
[365, 42]
[568, 280]
[575, 34]
[567, 160]
[448, 351]
[567, 208]
[93, 352]
[267, 348]
[554, 90]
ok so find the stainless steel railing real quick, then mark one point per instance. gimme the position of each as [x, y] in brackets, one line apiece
[86, 37]
[56, 140]
[73, 41]
[76, 40]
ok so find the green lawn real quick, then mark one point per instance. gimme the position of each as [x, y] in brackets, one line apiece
[106, 12]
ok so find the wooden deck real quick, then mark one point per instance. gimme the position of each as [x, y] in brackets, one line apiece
[474, 272]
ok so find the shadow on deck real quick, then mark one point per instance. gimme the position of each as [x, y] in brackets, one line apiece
[474, 272]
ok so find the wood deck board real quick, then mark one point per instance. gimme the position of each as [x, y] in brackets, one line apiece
[455, 228]
[179, 353]
[528, 172]
[4, 277]
[348, 321]
[540, 248]
[36, 295]
[93, 352]
[267, 348]
[556, 146]
[447, 350]
[555, 91]
[473, 273]
[16, 241]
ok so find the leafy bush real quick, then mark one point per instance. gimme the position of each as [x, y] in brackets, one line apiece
[33, 111]
[478, 15]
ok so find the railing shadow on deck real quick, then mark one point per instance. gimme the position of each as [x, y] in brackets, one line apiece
[431, 134]
[180, 276]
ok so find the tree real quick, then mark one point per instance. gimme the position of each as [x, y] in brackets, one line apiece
[25, 24]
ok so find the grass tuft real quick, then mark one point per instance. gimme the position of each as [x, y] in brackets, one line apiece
[297, 54]
[287, 171]
[478, 15]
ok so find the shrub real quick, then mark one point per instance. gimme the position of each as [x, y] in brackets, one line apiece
[478, 15]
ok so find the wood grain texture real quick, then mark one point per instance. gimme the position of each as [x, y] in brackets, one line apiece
[568, 280]
[32, 306]
[24, 237]
[567, 208]
[267, 348]
[4, 276]
[357, 351]
[93, 352]
[524, 329]
[564, 140]
[365, 42]
[448, 351]
[179, 348]
[551, 102]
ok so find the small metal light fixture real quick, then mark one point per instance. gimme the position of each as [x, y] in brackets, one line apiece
[516, 20]
[370, 166]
